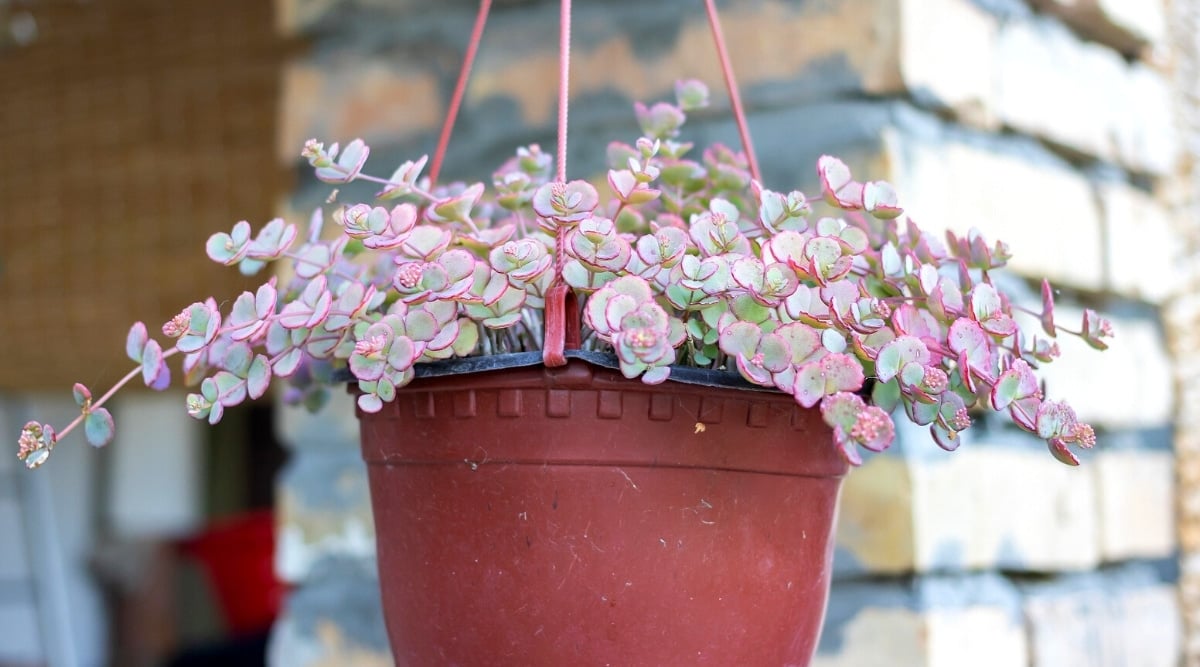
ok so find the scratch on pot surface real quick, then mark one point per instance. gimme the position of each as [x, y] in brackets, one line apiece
[588, 537]
[628, 479]
[574, 559]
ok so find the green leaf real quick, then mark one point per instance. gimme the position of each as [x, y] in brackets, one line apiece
[258, 376]
[135, 341]
[468, 338]
[740, 339]
[82, 394]
[231, 389]
[886, 395]
[98, 427]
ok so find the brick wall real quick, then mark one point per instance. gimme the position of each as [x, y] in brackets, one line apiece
[1047, 123]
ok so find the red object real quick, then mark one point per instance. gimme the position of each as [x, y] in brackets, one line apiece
[568, 516]
[238, 556]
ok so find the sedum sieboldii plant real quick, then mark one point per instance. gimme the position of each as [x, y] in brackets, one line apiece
[683, 259]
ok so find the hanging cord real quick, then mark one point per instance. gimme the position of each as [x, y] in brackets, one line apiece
[564, 80]
[735, 98]
[562, 310]
[460, 89]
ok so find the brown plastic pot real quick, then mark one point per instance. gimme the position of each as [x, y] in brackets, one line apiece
[569, 516]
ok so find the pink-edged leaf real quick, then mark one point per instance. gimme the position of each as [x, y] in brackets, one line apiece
[967, 338]
[231, 389]
[809, 385]
[803, 341]
[81, 394]
[258, 377]
[1048, 310]
[403, 353]
[152, 362]
[1061, 452]
[945, 438]
[98, 427]
[135, 341]
[370, 403]
[740, 338]
[842, 372]
[897, 354]
[287, 364]
[1024, 412]
[847, 447]
[880, 200]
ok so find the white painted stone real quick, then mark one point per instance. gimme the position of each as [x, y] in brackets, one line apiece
[983, 507]
[1147, 19]
[326, 644]
[333, 426]
[1145, 258]
[1105, 628]
[1123, 24]
[947, 49]
[1045, 212]
[879, 636]
[1129, 385]
[980, 636]
[296, 552]
[1051, 84]
[1135, 491]
[1146, 130]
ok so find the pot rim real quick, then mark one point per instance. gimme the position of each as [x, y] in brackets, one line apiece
[704, 377]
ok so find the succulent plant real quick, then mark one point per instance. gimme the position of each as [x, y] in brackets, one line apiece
[685, 260]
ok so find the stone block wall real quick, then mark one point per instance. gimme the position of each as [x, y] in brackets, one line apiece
[1049, 124]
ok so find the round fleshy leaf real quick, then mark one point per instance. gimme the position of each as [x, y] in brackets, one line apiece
[224, 249]
[740, 338]
[897, 354]
[258, 377]
[231, 389]
[370, 403]
[656, 375]
[809, 385]
[842, 373]
[287, 364]
[880, 200]
[98, 427]
[833, 341]
[152, 362]
[912, 374]
[403, 353]
[215, 413]
[945, 438]
[348, 165]
[467, 339]
[385, 390]
[135, 341]
[967, 338]
[1047, 315]
[1061, 452]
[81, 394]
[208, 390]
[237, 359]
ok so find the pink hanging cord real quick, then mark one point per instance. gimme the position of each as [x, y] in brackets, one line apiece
[562, 311]
[735, 99]
[460, 89]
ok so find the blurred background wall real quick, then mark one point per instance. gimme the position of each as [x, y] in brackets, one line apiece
[1067, 128]
[136, 128]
